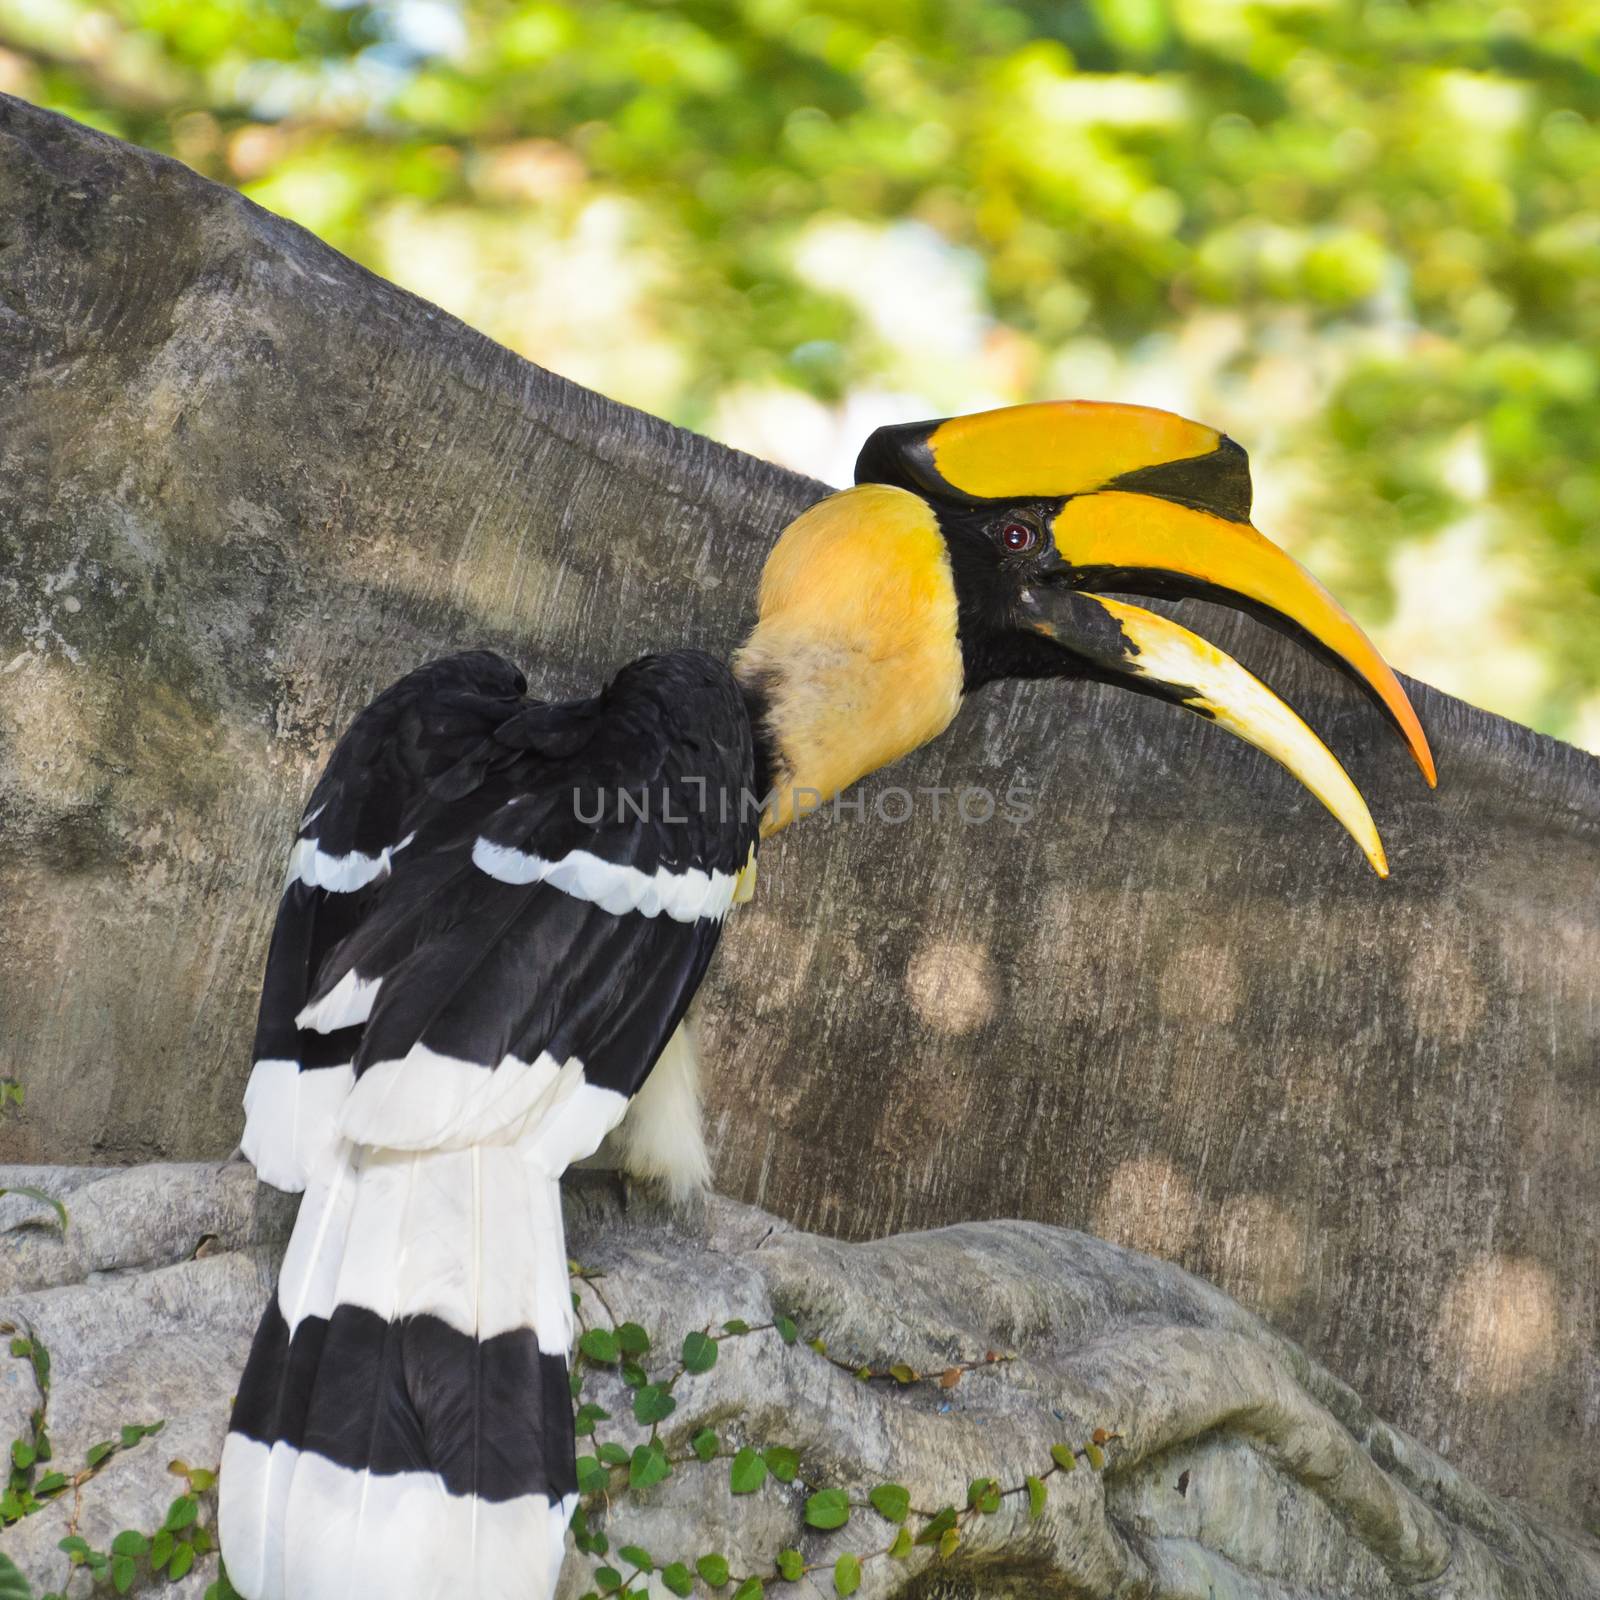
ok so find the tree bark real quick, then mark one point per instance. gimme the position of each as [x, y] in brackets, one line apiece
[244, 483]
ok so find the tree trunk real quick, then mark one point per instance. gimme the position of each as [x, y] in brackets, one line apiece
[244, 483]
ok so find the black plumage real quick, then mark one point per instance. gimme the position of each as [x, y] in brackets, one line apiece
[497, 914]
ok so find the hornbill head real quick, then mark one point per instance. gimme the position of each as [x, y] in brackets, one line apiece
[1028, 516]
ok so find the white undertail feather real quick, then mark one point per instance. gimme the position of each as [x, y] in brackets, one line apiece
[518, 1544]
[255, 1482]
[474, 1237]
[428, 1101]
[291, 1120]
[662, 1137]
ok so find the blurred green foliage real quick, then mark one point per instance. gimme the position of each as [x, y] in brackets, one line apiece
[1362, 235]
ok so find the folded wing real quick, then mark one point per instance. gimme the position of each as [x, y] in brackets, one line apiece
[497, 914]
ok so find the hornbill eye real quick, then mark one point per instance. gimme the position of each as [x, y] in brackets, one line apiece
[1016, 537]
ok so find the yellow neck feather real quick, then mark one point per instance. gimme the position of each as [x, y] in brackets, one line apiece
[855, 648]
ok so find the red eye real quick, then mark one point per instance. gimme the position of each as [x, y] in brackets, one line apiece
[1018, 536]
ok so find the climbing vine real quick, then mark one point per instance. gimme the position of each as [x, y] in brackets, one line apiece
[609, 1470]
[12, 1098]
[168, 1552]
[34, 1481]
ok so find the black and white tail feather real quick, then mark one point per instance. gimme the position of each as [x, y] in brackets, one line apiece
[467, 984]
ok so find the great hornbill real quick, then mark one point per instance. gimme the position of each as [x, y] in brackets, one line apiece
[498, 910]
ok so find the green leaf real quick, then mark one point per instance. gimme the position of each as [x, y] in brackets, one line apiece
[747, 1473]
[592, 1477]
[649, 1466]
[614, 1455]
[599, 1344]
[938, 1525]
[633, 1340]
[607, 1579]
[1063, 1457]
[96, 1453]
[23, 1455]
[51, 1483]
[714, 1569]
[21, 1347]
[589, 1414]
[750, 1589]
[901, 1373]
[736, 1325]
[181, 1513]
[653, 1404]
[201, 1479]
[161, 1549]
[983, 1494]
[13, 1585]
[787, 1331]
[637, 1556]
[129, 1543]
[122, 1570]
[74, 1546]
[581, 1536]
[204, 1544]
[44, 1200]
[1036, 1497]
[791, 1565]
[891, 1501]
[1097, 1457]
[634, 1375]
[678, 1578]
[699, 1352]
[847, 1574]
[901, 1547]
[828, 1508]
[782, 1462]
[705, 1444]
[949, 1540]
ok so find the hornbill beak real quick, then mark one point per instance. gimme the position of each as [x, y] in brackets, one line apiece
[1143, 502]
[1138, 649]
